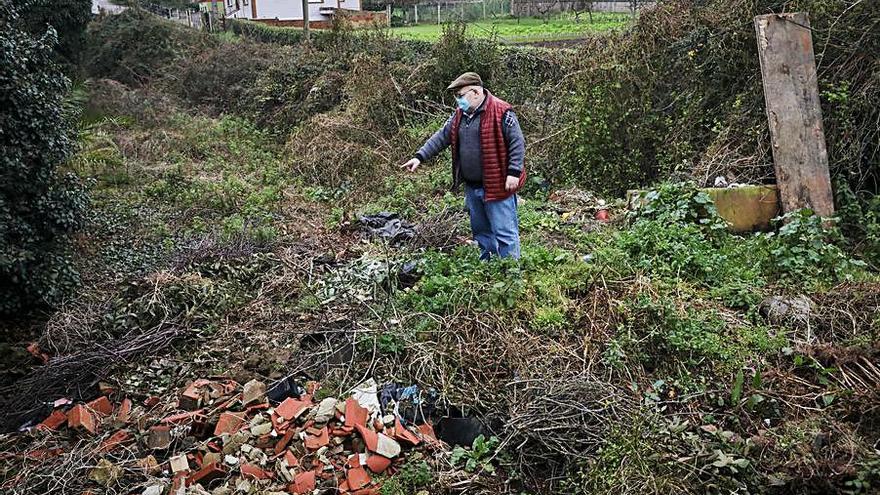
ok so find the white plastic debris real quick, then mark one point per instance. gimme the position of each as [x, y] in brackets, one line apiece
[367, 395]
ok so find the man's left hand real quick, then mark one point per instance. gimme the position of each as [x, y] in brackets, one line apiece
[512, 183]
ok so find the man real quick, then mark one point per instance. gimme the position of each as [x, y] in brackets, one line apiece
[488, 151]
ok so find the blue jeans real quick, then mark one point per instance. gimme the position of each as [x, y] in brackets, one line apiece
[495, 224]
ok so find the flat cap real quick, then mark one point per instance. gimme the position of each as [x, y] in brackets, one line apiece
[466, 79]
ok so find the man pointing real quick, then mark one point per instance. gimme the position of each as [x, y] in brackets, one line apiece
[488, 150]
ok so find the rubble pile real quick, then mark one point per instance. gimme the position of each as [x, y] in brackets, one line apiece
[220, 437]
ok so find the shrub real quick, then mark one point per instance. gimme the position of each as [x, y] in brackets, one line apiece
[680, 94]
[456, 53]
[806, 250]
[677, 233]
[135, 46]
[39, 207]
[222, 78]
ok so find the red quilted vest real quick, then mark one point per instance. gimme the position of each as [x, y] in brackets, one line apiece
[492, 147]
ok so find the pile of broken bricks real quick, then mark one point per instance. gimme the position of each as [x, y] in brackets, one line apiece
[221, 437]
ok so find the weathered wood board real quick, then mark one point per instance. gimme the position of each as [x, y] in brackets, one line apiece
[791, 95]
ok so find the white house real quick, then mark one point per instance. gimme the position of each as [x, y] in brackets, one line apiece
[281, 11]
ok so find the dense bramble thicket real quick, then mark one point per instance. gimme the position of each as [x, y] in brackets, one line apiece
[680, 95]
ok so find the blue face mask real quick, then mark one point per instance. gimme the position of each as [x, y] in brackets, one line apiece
[462, 103]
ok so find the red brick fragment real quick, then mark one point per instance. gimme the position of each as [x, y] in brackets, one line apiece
[278, 422]
[371, 438]
[357, 478]
[207, 474]
[257, 407]
[43, 454]
[282, 444]
[79, 418]
[200, 427]
[124, 412]
[355, 414]
[178, 482]
[228, 423]
[403, 434]
[35, 351]
[181, 417]
[354, 461]
[316, 441]
[101, 405]
[428, 435]
[341, 432]
[303, 483]
[291, 459]
[377, 463]
[115, 441]
[191, 398]
[253, 472]
[151, 401]
[264, 442]
[53, 421]
[228, 404]
[291, 408]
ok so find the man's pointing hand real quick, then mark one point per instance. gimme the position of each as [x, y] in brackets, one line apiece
[412, 165]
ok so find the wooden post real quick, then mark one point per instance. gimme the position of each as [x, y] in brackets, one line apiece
[484, 9]
[305, 4]
[388, 13]
[438, 13]
[791, 95]
[416, 13]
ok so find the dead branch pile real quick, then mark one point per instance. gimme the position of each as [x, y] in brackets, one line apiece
[75, 374]
[441, 230]
[549, 420]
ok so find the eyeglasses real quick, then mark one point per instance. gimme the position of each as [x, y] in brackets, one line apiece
[460, 95]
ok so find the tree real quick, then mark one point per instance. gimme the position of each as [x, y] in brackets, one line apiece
[39, 207]
[544, 7]
[68, 17]
[581, 6]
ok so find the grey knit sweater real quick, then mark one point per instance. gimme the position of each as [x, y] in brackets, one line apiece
[469, 153]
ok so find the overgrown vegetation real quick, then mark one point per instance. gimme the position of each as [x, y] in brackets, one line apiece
[680, 95]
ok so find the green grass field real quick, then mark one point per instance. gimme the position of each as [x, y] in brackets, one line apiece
[523, 29]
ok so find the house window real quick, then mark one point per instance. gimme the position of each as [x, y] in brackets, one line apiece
[245, 2]
[229, 3]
